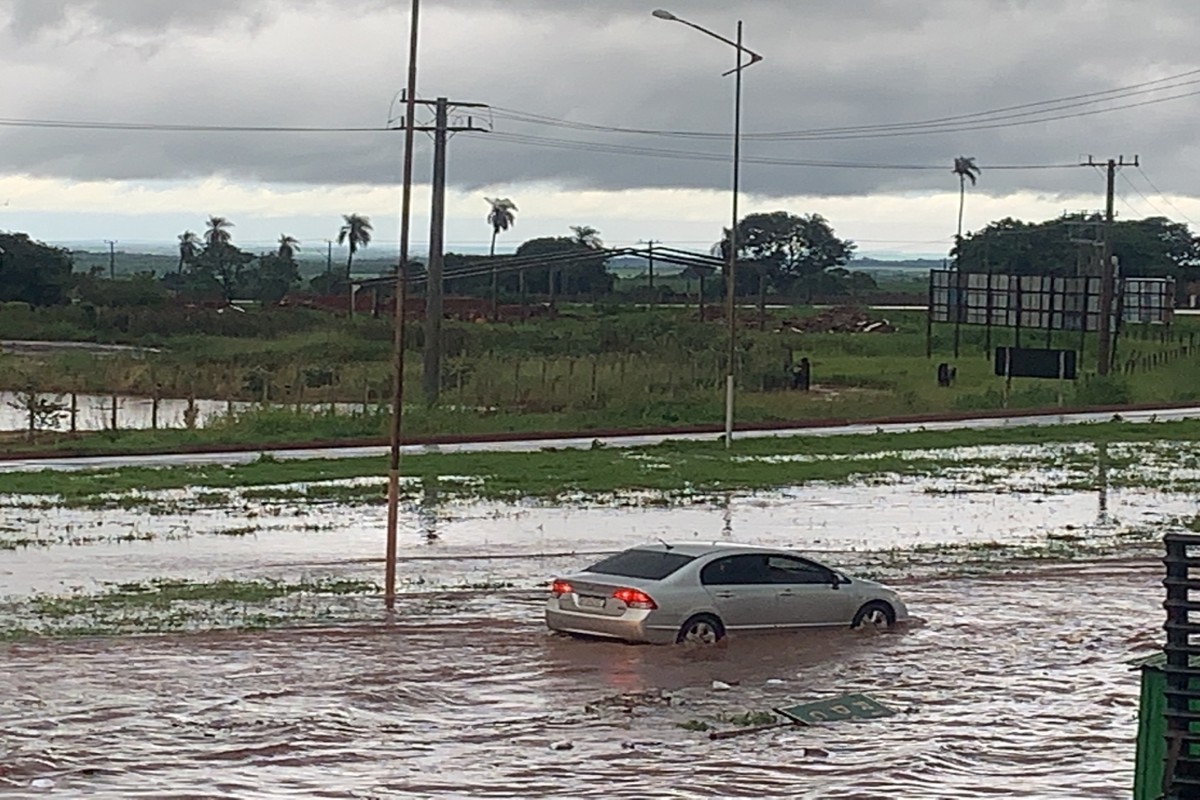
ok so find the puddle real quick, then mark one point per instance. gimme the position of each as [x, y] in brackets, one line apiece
[1012, 688]
[94, 412]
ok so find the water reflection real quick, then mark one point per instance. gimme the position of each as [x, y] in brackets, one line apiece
[427, 511]
[727, 516]
[1102, 482]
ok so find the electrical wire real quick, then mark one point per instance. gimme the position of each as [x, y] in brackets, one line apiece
[1030, 113]
[1149, 202]
[691, 155]
[1161, 194]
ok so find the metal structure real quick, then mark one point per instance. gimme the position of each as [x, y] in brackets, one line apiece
[1045, 302]
[1181, 768]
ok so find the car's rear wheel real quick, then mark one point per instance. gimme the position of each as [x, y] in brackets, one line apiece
[702, 629]
[874, 615]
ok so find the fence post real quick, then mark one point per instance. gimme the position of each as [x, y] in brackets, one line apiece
[114, 412]
[74, 412]
[595, 376]
[154, 407]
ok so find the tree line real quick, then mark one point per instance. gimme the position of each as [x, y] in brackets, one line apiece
[779, 253]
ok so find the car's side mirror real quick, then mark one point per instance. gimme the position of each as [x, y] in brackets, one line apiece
[838, 579]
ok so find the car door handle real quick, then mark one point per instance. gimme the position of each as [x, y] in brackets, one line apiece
[787, 593]
[724, 595]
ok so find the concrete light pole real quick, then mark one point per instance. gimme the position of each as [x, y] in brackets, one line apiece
[731, 277]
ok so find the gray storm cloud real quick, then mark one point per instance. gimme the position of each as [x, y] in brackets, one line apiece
[829, 64]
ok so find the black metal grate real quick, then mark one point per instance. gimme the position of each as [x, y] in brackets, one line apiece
[1181, 773]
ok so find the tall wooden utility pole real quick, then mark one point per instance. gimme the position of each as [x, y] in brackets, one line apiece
[437, 239]
[1108, 277]
[435, 290]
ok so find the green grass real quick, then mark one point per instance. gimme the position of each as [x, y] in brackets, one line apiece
[592, 369]
[673, 467]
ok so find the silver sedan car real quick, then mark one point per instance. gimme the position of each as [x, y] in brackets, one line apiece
[669, 593]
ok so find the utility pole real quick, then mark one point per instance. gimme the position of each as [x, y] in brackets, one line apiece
[437, 232]
[650, 263]
[112, 259]
[1108, 282]
[435, 288]
[329, 257]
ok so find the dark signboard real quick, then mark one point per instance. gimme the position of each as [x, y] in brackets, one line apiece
[1042, 302]
[1029, 362]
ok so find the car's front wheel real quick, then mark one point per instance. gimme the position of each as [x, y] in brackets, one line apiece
[874, 615]
[702, 629]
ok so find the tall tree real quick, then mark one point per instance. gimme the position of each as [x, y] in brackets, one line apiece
[964, 168]
[217, 232]
[587, 236]
[189, 248]
[501, 216]
[288, 247]
[356, 231]
[32, 272]
[218, 252]
[789, 251]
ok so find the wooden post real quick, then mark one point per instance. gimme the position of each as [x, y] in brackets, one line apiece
[74, 412]
[154, 407]
[114, 412]
[595, 375]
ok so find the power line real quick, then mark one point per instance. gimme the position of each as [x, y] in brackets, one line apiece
[692, 155]
[1149, 202]
[1164, 196]
[1044, 110]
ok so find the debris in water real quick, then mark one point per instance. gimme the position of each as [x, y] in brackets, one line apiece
[564, 745]
[721, 686]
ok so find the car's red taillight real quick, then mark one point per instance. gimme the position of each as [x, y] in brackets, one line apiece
[559, 588]
[635, 598]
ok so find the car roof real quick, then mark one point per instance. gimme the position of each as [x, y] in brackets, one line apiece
[697, 549]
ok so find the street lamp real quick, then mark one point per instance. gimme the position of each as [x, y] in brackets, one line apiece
[393, 490]
[731, 278]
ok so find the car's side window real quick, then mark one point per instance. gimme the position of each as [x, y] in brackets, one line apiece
[736, 570]
[783, 569]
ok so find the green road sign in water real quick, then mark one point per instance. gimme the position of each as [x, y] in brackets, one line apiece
[850, 707]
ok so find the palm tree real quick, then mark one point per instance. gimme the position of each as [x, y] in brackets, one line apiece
[502, 216]
[288, 246]
[357, 231]
[587, 236]
[218, 232]
[964, 168]
[189, 248]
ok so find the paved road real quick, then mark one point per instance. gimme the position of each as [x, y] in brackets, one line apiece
[196, 459]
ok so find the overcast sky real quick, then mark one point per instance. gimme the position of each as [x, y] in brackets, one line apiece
[829, 64]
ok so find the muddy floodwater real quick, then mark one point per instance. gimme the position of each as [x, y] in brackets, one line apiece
[1012, 687]
[1032, 599]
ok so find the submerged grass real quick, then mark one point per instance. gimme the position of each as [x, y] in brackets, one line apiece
[672, 467]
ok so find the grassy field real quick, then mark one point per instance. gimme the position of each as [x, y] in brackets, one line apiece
[594, 368]
[673, 467]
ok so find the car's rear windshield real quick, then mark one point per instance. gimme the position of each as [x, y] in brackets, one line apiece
[651, 565]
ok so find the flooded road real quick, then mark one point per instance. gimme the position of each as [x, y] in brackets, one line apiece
[471, 542]
[1013, 687]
